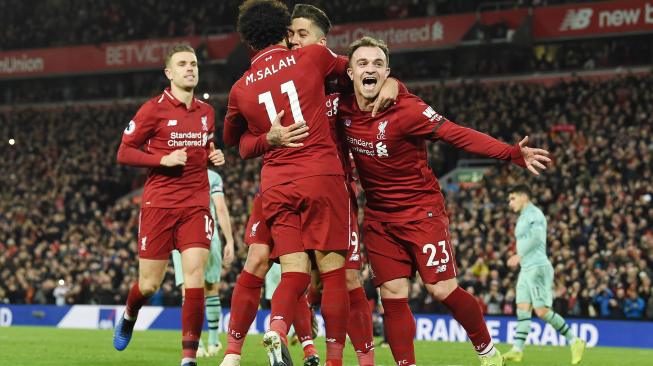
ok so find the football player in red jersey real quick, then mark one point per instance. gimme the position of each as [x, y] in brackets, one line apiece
[406, 228]
[176, 133]
[310, 25]
[302, 216]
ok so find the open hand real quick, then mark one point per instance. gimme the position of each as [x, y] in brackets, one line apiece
[534, 158]
[287, 136]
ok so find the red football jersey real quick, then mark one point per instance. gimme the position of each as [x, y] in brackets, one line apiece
[162, 125]
[390, 155]
[293, 81]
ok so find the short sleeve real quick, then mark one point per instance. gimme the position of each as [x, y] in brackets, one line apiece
[141, 127]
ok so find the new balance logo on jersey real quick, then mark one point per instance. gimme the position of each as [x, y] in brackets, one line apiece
[144, 243]
[431, 114]
[576, 19]
[254, 227]
[381, 134]
[354, 258]
[381, 149]
[172, 122]
[441, 268]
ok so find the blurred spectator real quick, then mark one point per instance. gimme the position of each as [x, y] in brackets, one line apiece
[494, 299]
[60, 293]
[634, 306]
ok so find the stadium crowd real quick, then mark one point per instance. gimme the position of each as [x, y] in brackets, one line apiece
[62, 23]
[439, 64]
[66, 212]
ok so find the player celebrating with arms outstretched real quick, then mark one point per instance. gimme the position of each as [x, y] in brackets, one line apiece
[406, 228]
[176, 131]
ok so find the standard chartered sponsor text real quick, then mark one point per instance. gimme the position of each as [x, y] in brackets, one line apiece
[185, 139]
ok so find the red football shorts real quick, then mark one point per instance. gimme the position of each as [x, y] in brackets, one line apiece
[257, 231]
[311, 213]
[398, 249]
[353, 258]
[161, 230]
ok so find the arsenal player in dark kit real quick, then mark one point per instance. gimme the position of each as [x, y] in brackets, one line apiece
[406, 226]
[176, 131]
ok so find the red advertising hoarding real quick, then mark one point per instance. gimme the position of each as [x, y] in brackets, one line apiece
[406, 34]
[148, 54]
[593, 19]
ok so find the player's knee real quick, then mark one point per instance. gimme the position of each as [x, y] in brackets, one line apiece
[443, 289]
[353, 279]
[395, 289]
[148, 288]
[257, 265]
[210, 289]
[330, 261]
[541, 312]
[295, 262]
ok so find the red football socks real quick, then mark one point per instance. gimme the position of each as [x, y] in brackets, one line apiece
[302, 323]
[284, 301]
[135, 301]
[192, 319]
[399, 326]
[467, 311]
[335, 311]
[314, 298]
[359, 328]
[244, 305]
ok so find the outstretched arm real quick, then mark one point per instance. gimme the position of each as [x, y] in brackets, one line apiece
[477, 142]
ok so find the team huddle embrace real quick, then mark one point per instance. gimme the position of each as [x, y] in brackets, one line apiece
[321, 122]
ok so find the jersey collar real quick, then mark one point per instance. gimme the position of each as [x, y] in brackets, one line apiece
[268, 51]
[178, 103]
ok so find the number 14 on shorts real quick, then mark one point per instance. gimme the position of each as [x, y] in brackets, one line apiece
[432, 251]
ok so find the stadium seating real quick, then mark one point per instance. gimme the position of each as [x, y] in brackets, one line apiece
[62, 215]
[52, 23]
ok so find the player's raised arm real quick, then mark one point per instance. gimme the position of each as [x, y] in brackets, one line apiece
[388, 95]
[436, 127]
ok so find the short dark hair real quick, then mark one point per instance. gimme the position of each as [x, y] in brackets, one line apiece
[176, 49]
[262, 23]
[314, 14]
[521, 188]
[369, 42]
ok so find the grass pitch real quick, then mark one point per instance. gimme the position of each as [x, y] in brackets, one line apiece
[34, 346]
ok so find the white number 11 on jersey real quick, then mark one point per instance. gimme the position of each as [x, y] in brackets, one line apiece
[288, 88]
